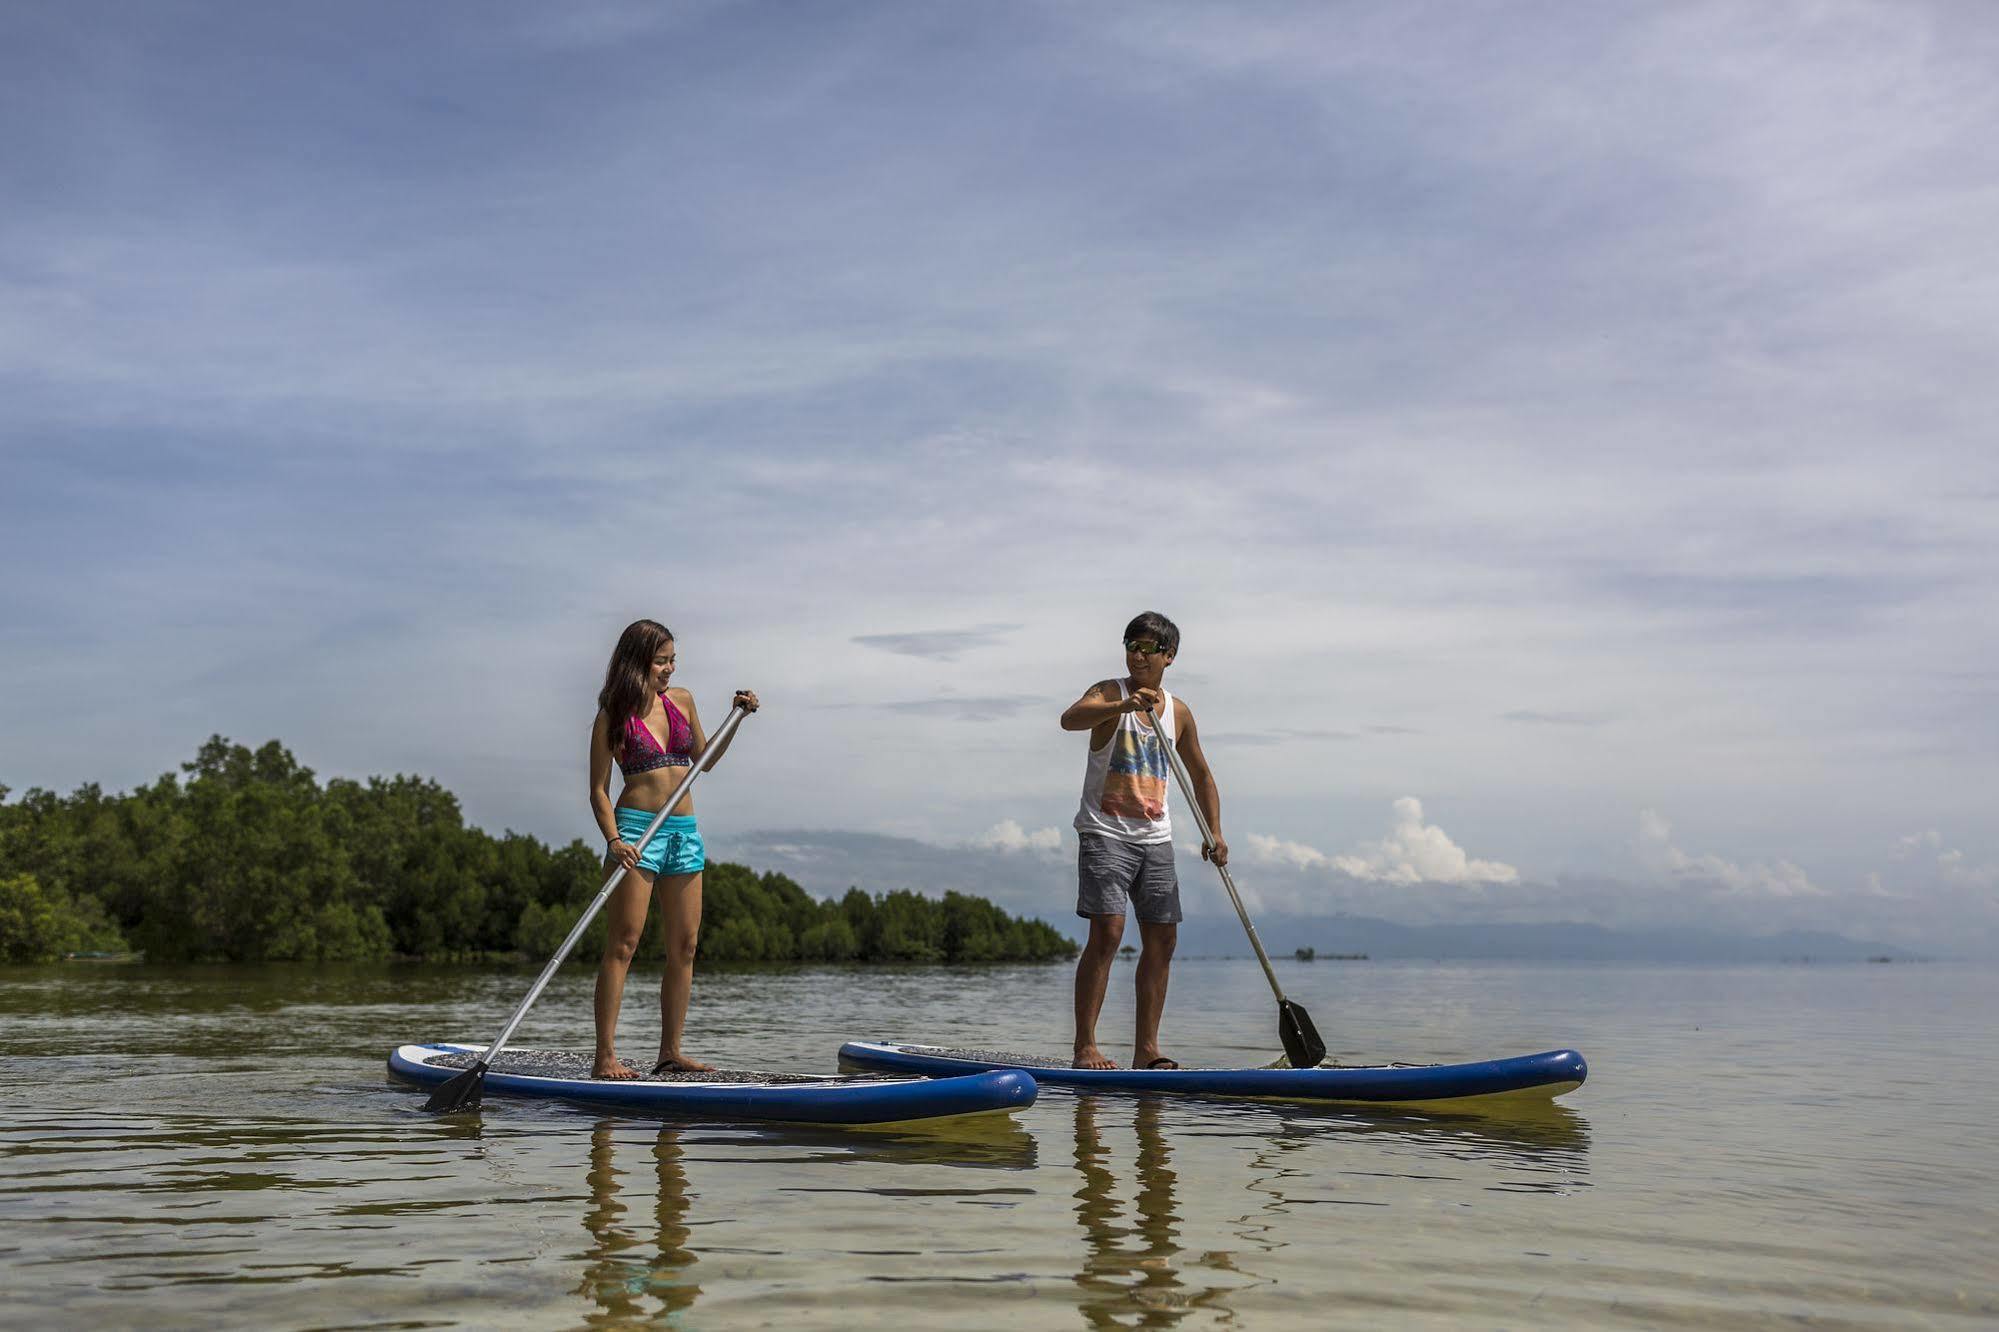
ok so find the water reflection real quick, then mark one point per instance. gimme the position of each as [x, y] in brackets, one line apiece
[1130, 1275]
[1528, 1143]
[979, 1142]
[1134, 1273]
[634, 1273]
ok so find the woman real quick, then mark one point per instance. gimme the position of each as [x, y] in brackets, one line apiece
[653, 734]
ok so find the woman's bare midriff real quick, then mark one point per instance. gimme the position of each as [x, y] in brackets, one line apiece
[650, 790]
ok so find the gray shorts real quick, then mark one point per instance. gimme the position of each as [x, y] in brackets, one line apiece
[1109, 871]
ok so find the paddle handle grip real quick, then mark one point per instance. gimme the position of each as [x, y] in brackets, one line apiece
[1208, 839]
[694, 770]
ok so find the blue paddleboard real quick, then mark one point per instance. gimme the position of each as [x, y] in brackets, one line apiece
[792, 1098]
[1537, 1075]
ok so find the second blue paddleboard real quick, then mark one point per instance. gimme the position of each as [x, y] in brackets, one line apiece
[1544, 1075]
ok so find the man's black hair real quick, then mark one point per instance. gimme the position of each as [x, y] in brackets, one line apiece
[1152, 627]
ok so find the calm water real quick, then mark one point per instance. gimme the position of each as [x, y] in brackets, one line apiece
[1778, 1145]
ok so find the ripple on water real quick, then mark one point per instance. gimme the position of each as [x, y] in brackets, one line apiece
[213, 1145]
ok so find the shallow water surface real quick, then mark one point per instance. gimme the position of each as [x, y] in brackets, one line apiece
[185, 1147]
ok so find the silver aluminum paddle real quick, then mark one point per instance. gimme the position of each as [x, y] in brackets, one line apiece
[1302, 1045]
[462, 1092]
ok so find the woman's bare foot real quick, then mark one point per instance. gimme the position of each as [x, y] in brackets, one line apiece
[1089, 1056]
[679, 1064]
[613, 1069]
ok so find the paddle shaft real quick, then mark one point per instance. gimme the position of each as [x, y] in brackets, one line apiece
[1208, 839]
[721, 736]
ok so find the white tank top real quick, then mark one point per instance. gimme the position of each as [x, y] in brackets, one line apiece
[1124, 784]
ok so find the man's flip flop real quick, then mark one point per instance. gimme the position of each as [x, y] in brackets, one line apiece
[1162, 1063]
[674, 1066]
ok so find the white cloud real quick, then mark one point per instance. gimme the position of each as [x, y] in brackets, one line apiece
[1266, 850]
[1659, 855]
[1917, 843]
[1419, 852]
[1926, 851]
[1007, 835]
[1413, 852]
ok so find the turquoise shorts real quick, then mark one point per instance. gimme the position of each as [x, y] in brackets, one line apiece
[675, 849]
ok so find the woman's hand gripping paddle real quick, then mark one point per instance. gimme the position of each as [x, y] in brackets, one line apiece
[462, 1092]
[1294, 1026]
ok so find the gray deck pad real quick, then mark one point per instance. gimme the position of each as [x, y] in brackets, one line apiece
[989, 1056]
[1011, 1060]
[574, 1067]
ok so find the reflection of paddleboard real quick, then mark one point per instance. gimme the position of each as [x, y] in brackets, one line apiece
[796, 1098]
[1537, 1075]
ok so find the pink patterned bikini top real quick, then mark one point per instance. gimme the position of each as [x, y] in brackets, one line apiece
[641, 752]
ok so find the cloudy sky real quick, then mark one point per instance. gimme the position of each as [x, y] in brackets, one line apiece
[1563, 432]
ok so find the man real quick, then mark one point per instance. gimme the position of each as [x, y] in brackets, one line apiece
[1126, 853]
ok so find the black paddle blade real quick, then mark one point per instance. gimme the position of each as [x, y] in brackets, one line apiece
[462, 1092]
[1302, 1045]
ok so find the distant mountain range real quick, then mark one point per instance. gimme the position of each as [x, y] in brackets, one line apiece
[826, 863]
[1222, 936]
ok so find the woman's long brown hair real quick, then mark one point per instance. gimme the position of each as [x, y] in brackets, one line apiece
[624, 694]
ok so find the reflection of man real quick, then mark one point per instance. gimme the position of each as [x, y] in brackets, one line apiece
[613, 1276]
[1110, 1297]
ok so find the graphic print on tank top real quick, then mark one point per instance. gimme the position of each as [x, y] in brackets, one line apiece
[1124, 783]
[1135, 782]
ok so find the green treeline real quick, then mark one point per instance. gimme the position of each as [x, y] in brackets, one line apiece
[247, 857]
